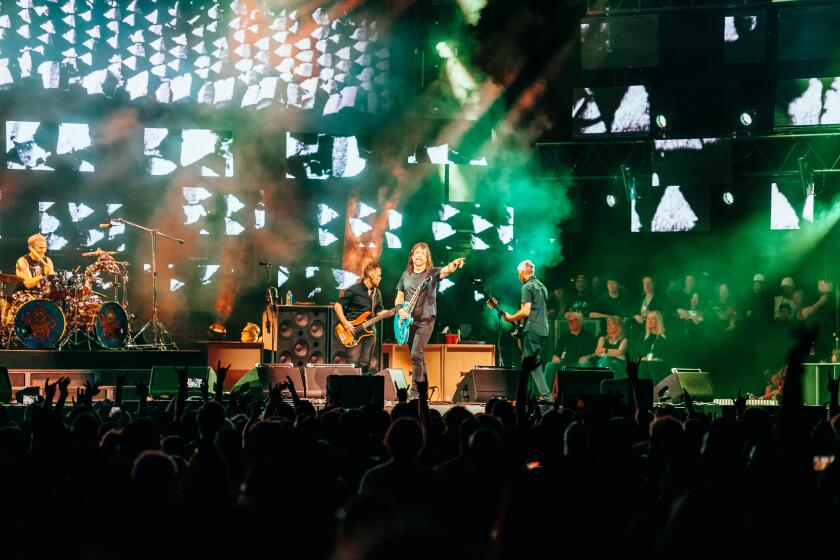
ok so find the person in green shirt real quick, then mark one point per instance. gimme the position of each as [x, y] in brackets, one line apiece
[532, 310]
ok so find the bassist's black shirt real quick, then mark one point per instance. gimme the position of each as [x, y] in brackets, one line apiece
[356, 301]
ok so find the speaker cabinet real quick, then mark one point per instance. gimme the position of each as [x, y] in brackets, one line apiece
[303, 334]
[260, 378]
[484, 383]
[579, 381]
[5, 385]
[672, 388]
[315, 378]
[355, 391]
[164, 381]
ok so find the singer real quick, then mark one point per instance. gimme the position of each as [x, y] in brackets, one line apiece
[33, 267]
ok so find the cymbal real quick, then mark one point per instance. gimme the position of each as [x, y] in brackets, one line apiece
[9, 278]
[98, 252]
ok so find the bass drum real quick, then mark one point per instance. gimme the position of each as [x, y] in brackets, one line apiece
[39, 324]
[111, 325]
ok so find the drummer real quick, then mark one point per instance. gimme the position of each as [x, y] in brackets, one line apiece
[33, 267]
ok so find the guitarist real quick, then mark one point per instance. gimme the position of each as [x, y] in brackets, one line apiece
[420, 266]
[535, 330]
[358, 298]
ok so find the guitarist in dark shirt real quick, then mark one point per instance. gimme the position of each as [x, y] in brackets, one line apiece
[357, 299]
[535, 329]
[420, 266]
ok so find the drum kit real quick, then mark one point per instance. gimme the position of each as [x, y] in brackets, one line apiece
[66, 308]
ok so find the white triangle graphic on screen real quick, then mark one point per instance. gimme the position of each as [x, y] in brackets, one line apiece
[674, 213]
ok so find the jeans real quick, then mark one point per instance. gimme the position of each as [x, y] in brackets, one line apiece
[418, 336]
[361, 353]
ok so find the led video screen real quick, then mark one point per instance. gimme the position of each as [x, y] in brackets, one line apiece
[790, 205]
[809, 32]
[168, 150]
[744, 37]
[619, 42]
[321, 156]
[213, 53]
[672, 208]
[45, 146]
[807, 102]
[692, 161]
[613, 110]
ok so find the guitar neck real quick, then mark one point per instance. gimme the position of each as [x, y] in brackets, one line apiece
[377, 318]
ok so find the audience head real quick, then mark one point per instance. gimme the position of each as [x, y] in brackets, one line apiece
[788, 285]
[654, 326]
[404, 439]
[615, 327]
[575, 322]
[648, 285]
[758, 283]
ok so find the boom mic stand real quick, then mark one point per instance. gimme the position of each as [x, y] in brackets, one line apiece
[161, 339]
[271, 296]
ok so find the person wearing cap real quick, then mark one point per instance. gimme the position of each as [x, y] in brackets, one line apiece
[758, 305]
[788, 287]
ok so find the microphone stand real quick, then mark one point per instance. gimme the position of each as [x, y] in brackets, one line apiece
[271, 315]
[161, 339]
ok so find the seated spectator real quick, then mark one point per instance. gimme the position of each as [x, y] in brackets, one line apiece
[655, 349]
[576, 346]
[724, 308]
[611, 303]
[758, 305]
[581, 298]
[612, 348]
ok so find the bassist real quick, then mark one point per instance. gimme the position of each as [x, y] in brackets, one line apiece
[357, 299]
[535, 329]
[420, 266]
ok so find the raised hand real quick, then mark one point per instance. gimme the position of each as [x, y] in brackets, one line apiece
[402, 395]
[181, 372]
[119, 378]
[49, 390]
[92, 389]
[221, 371]
[633, 369]
[63, 387]
[141, 389]
[275, 392]
[740, 403]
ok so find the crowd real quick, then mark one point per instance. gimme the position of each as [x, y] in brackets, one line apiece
[739, 333]
[245, 474]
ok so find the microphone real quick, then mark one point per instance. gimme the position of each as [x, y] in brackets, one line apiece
[106, 226]
[264, 263]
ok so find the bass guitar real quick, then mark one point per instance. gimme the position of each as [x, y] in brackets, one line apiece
[401, 325]
[360, 330]
[515, 328]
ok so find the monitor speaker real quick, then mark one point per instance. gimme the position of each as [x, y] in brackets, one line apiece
[314, 378]
[394, 379]
[672, 388]
[355, 391]
[579, 381]
[164, 381]
[260, 378]
[481, 384]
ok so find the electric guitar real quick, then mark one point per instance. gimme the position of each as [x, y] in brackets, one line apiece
[361, 330]
[401, 325]
[516, 328]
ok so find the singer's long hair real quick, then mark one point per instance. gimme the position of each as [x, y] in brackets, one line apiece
[429, 262]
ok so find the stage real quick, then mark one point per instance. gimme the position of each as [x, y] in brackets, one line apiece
[29, 368]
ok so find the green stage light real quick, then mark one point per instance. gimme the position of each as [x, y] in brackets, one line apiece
[661, 121]
[728, 198]
[610, 200]
[444, 50]
[747, 118]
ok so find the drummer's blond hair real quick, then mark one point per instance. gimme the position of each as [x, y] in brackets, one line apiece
[36, 237]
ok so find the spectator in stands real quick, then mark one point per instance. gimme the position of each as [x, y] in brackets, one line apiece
[612, 348]
[788, 287]
[581, 299]
[612, 303]
[724, 308]
[576, 346]
[655, 349]
[758, 307]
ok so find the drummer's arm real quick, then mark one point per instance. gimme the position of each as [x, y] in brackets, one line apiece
[22, 271]
[48, 266]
